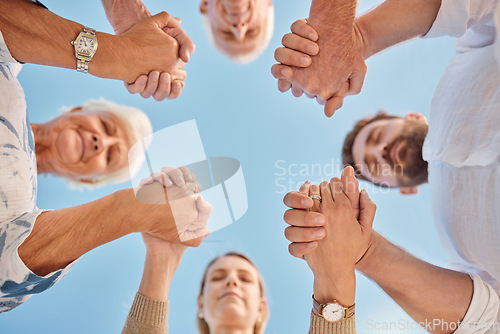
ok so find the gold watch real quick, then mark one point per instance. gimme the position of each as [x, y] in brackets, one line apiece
[333, 311]
[85, 47]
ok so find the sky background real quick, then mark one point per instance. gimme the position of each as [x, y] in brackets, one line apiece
[279, 140]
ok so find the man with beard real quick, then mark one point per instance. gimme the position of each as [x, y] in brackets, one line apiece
[462, 150]
[387, 151]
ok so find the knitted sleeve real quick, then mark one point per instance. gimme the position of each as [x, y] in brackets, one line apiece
[319, 325]
[147, 316]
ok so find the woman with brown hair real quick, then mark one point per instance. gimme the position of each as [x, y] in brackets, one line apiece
[231, 298]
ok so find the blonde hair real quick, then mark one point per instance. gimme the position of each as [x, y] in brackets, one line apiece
[247, 57]
[137, 126]
[259, 325]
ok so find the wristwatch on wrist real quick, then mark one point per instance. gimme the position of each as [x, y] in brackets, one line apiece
[85, 47]
[333, 311]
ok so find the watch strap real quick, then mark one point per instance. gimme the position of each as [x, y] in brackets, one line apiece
[82, 62]
[348, 311]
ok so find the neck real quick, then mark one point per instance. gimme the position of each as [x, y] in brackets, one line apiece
[223, 329]
[41, 136]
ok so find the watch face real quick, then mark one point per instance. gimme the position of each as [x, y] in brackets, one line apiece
[85, 45]
[333, 312]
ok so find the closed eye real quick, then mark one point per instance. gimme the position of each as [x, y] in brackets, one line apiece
[105, 127]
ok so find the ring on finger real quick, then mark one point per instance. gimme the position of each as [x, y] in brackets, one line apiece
[318, 197]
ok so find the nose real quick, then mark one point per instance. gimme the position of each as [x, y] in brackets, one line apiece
[232, 280]
[386, 153]
[239, 30]
[97, 144]
[101, 143]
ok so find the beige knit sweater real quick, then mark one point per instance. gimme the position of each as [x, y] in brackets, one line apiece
[149, 316]
[146, 316]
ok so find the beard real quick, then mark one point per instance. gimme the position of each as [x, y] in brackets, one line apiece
[415, 170]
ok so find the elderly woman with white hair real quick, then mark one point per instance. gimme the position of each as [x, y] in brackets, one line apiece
[87, 145]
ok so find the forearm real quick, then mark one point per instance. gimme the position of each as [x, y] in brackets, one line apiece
[35, 35]
[62, 236]
[424, 291]
[123, 14]
[338, 15]
[340, 287]
[157, 276]
[396, 21]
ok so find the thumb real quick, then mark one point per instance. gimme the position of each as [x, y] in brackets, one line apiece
[366, 211]
[204, 209]
[164, 19]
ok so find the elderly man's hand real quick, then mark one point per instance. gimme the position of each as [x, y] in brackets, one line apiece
[179, 214]
[337, 70]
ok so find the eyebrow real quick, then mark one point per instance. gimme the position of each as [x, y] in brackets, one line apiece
[372, 133]
[241, 270]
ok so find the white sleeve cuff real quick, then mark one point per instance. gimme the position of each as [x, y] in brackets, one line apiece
[483, 314]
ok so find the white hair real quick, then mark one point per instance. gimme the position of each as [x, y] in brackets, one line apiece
[137, 126]
[247, 57]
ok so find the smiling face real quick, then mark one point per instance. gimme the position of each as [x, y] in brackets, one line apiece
[87, 145]
[389, 152]
[232, 296]
[239, 27]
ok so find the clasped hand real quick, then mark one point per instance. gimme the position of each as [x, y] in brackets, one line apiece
[187, 214]
[331, 235]
[324, 62]
[163, 49]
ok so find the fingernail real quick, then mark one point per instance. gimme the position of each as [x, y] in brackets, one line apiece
[312, 36]
[311, 49]
[180, 180]
[319, 219]
[319, 233]
[308, 182]
[286, 72]
[363, 192]
[189, 55]
[304, 60]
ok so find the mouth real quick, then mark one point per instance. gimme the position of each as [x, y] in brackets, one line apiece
[395, 153]
[83, 145]
[230, 294]
[236, 8]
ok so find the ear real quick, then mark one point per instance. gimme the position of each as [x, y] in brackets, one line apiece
[200, 304]
[416, 116]
[76, 109]
[262, 307]
[408, 190]
[203, 6]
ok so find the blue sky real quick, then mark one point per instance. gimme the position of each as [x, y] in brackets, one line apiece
[279, 140]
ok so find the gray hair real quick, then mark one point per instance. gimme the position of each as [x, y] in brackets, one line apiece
[248, 57]
[137, 126]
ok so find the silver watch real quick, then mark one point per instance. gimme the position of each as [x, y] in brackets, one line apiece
[85, 47]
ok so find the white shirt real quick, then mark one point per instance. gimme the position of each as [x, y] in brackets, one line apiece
[18, 187]
[463, 151]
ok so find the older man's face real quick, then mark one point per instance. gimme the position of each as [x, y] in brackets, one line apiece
[239, 26]
[389, 151]
[86, 145]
